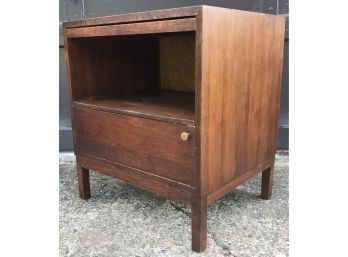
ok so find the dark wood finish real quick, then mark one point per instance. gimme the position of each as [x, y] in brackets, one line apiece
[228, 187]
[267, 181]
[177, 62]
[104, 67]
[174, 13]
[178, 25]
[156, 184]
[83, 180]
[171, 106]
[145, 144]
[240, 92]
[223, 77]
[199, 211]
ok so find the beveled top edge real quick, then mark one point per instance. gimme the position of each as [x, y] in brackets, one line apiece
[162, 14]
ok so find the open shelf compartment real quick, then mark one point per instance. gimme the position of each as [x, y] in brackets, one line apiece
[150, 76]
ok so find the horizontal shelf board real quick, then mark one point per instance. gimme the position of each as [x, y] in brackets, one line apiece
[165, 26]
[176, 107]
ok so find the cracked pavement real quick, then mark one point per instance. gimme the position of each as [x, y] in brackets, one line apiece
[122, 220]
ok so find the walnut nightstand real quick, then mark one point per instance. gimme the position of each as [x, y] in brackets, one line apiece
[181, 102]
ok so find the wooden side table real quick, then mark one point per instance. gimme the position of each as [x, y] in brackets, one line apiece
[180, 102]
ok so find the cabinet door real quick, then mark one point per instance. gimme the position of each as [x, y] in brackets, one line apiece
[153, 146]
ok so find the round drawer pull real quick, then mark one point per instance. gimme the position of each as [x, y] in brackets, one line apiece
[184, 136]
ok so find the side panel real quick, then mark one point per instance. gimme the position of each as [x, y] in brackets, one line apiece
[177, 61]
[240, 87]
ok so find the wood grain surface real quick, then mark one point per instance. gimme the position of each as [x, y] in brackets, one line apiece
[170, 106]
[114, 66]
[144, 144]
[177, 61]
[178, 25]
[83, 181]
[241, 60]
[222, 68]
[156, 184]
[174, 13]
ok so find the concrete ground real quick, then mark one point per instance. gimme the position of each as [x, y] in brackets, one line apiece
[122, 220]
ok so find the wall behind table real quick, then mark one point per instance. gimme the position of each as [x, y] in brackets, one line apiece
[77, 9]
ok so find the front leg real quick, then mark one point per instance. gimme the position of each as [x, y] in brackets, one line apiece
[83, 180]
[267, 181]
[199, 223]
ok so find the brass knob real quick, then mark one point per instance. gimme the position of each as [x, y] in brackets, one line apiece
[184, 136]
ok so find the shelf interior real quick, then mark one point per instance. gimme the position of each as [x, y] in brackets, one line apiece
[170, 106]
[150, 76]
